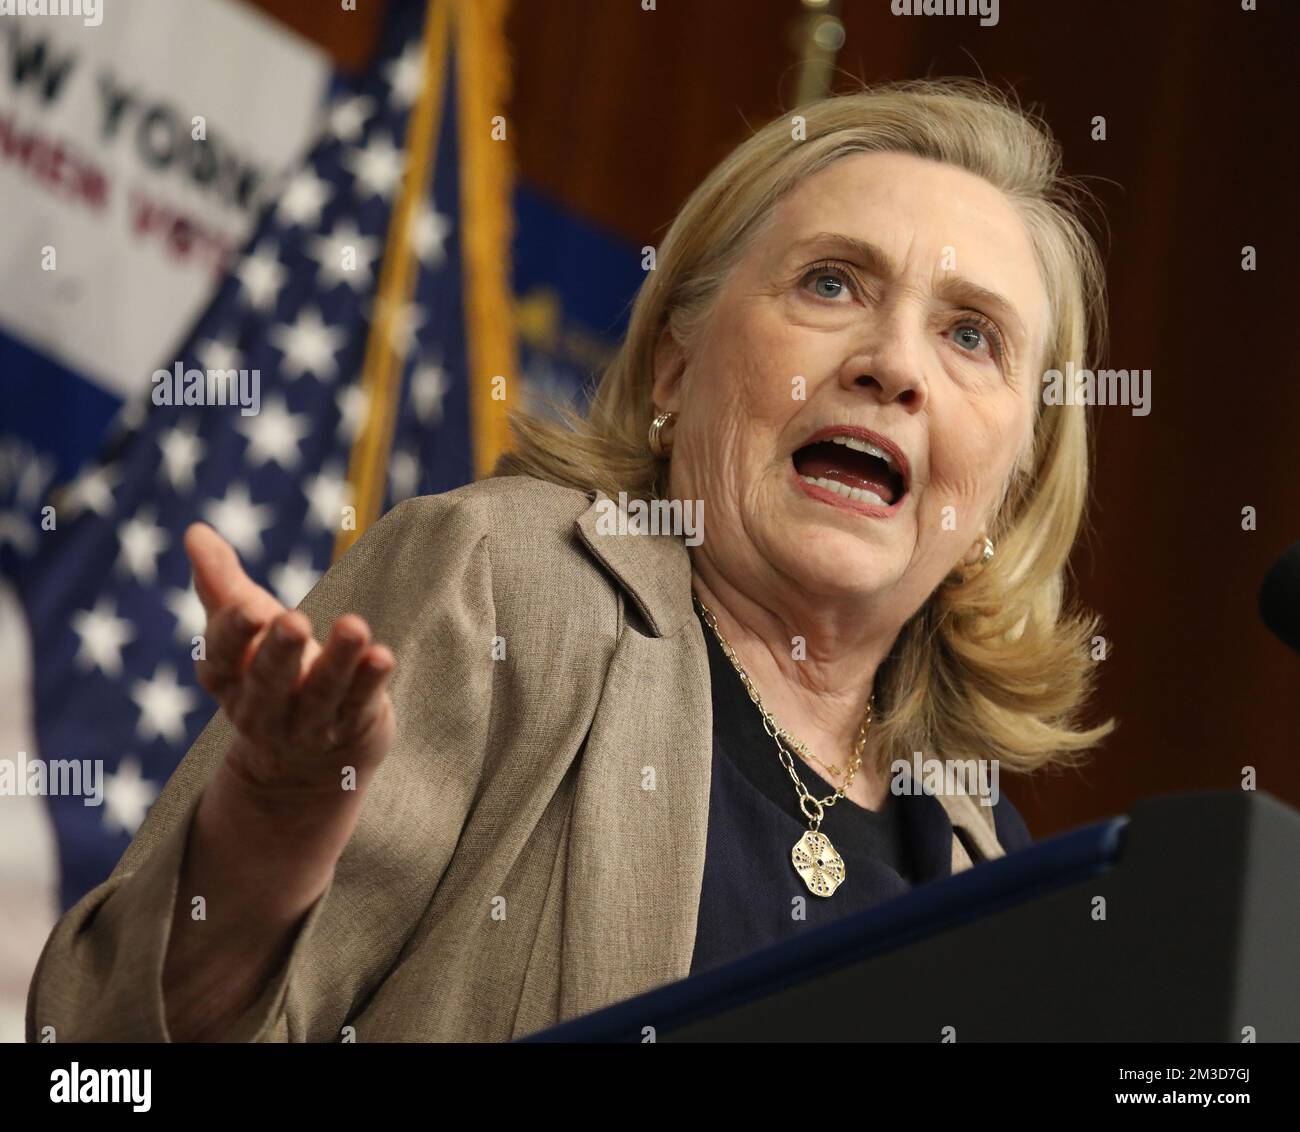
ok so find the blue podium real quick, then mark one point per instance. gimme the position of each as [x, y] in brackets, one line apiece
[1180, 923]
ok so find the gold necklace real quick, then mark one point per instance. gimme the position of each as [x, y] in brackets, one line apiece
[809, 757]
[813, 856]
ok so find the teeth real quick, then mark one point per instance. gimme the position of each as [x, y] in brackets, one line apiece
[862, 446]
[855, 493]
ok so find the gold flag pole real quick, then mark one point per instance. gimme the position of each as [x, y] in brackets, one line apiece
[385, 358]
[487, 210]
[822, 36]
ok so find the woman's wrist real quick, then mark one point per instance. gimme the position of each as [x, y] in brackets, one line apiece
[275, 848]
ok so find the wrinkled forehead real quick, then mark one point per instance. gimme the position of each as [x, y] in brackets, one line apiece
[930, 223]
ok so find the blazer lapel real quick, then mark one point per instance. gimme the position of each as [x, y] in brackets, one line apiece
[641, 800]
[653, 570]
[976, 822]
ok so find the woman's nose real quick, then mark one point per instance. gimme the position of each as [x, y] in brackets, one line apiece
[888, 361]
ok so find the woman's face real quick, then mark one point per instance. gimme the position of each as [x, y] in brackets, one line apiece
[895, 305]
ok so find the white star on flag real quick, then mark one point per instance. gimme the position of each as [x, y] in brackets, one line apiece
[348, 116]
[293, 579]
[328, 253]
[327, 494]
[191, 617]
[239, 520]
[262, 277]
[103, 634]
[182, 452]
[354, 403]
[127, 796]
[163, 705]
[29, 479]
[219, 353]
[142, 540]
[403, 474]
[93, 491]
[428, 387]
[310, 345]
[405, 75]
[18, 531]
[274, 434]
[129, 417]
[404, 327]
[428, 234]
[303, 198]
[377, 166]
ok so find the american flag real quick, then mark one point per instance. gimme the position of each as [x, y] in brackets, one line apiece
[108, 594]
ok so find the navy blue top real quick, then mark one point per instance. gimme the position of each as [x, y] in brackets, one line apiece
[748, 898]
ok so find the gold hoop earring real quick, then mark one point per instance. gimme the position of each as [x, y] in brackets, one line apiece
[973, 569]
[658, 448]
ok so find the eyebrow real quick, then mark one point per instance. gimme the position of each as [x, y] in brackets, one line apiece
[954, 288]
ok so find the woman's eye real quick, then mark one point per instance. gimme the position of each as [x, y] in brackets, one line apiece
[828, 283]
[973, 337]
[828, 286]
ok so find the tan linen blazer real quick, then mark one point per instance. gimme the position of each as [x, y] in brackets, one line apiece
[508, 870]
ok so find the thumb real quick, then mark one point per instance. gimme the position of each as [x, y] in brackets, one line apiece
[219, 579]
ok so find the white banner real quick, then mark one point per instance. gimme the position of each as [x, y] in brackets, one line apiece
[133, 155]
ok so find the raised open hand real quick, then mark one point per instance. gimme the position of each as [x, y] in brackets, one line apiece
[302, 712]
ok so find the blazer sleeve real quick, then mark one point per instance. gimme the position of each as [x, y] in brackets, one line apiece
[422, 578]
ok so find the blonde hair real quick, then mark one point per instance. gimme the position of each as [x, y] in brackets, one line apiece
[998, 666]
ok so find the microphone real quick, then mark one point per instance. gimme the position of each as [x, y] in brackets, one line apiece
[1279, 597]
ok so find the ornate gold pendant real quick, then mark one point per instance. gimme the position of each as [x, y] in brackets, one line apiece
[817, 862]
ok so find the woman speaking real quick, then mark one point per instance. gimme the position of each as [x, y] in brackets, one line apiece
[511, 762]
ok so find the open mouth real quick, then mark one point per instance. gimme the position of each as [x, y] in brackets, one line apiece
[854, 468]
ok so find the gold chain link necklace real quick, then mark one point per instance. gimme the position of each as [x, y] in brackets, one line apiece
[813, 856]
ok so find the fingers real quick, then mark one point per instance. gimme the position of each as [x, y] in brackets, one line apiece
[216, 566]
[238, 611]
[264, 702]
[294, 695]
[230, 631]
[366, 701]
[219, 579]
[329, 678]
